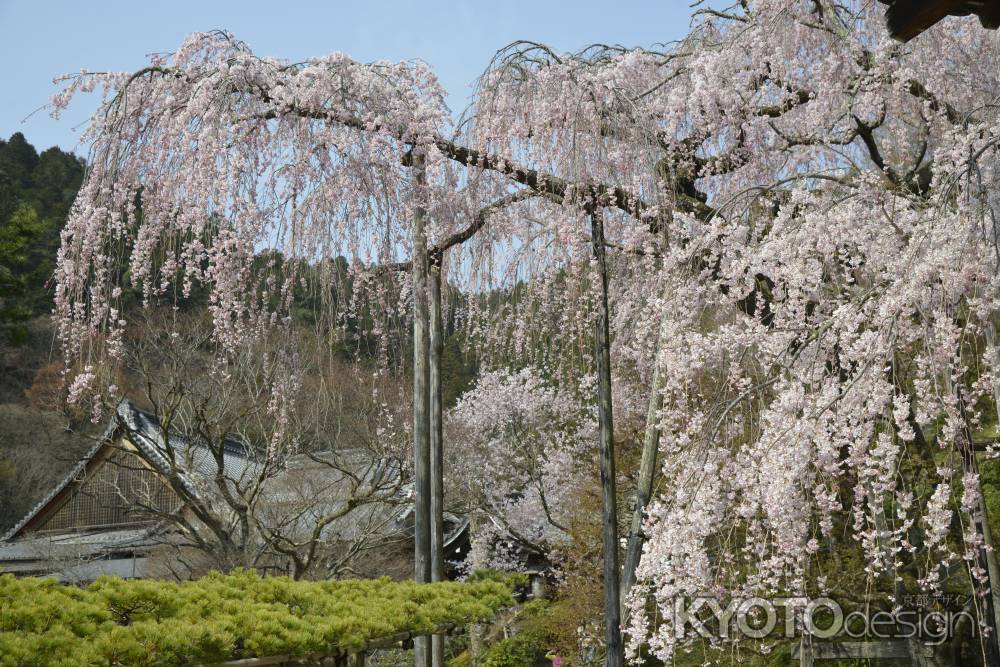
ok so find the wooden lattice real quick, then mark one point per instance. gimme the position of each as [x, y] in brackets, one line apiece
[115, 494]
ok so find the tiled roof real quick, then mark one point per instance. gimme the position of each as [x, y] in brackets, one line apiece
[191, 461]
[293, 491]
[77, 544]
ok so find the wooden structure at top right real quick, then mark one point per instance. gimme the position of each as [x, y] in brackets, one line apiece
[908, 18]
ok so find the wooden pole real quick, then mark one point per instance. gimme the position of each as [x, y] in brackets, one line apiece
[421, 408]
[991, 555]
[988, 615]
[602, 354]
[805, 652]
[436, 448]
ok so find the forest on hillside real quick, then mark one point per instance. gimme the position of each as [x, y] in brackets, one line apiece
[36, 192]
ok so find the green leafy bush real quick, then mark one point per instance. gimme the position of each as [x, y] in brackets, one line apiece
[512, 580]
[525, 649]
[221, 617]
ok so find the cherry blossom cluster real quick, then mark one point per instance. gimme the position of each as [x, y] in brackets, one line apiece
[513, 452]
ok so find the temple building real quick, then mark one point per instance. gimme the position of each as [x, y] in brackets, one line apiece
[118, 506]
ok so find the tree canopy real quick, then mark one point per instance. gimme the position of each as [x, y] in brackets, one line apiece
[36, 192]
[787, 215]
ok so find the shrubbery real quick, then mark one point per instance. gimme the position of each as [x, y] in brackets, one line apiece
[528, 646]
[221, 617]
[518, 582]
[525, 649]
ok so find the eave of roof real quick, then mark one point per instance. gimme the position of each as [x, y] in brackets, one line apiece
[83, 543]
[906, 19]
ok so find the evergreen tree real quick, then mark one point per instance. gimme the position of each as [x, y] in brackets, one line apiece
[36, 193]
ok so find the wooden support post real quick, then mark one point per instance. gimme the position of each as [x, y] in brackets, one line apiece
[987, 612]
[436, 448]
[991, 556]
[421, 408]
[805, 653]
[602, 353]
[476, 633]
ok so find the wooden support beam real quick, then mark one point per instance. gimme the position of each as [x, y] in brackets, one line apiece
[353, 658]
[895, 649]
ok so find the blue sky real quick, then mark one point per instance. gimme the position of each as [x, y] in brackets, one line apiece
[45, 38]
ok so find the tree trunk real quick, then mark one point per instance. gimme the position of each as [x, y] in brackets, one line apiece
[647, 468]
[988, 613]
[602, 354]
[437, 449]
[421, 408]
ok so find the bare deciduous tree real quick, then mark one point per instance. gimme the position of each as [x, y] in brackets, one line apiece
[307, 495]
